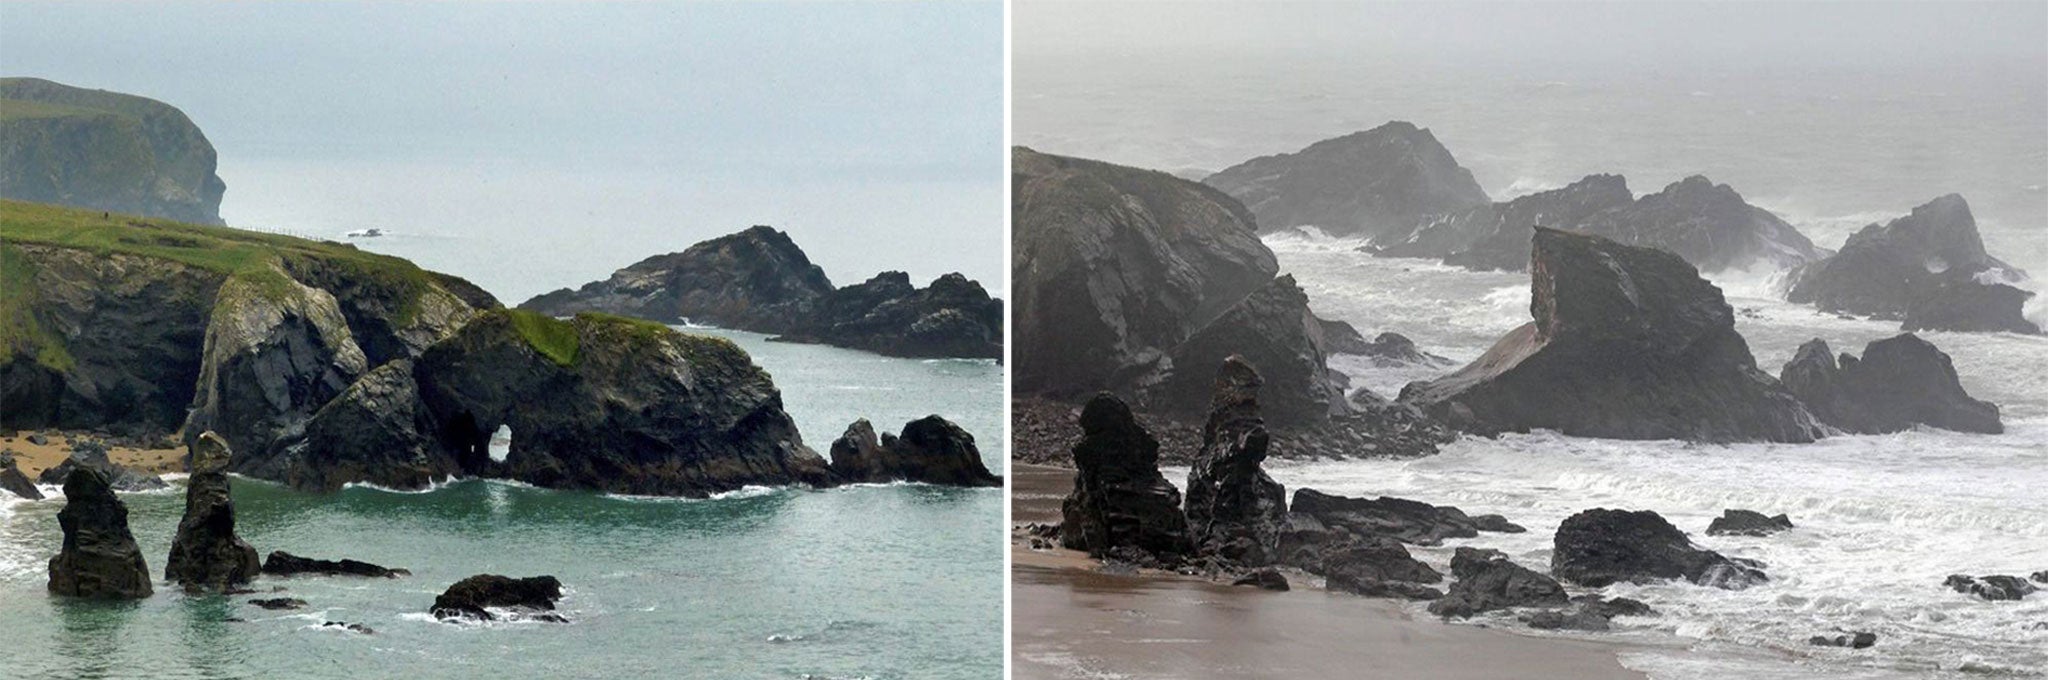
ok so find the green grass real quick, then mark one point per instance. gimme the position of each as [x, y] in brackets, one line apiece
[19, 329]
[553, 338]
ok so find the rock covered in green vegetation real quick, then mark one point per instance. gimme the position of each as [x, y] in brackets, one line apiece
[105, 151]
[206, 554]
[99, 558]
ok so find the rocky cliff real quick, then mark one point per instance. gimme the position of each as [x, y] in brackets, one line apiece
[1374, 183]
[105, 151]
[1928, 268]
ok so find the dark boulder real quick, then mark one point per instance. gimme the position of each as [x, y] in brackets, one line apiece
[92, 453]
[99, 558]
[1850, 640]
[1933, 258]
[470, 598]
[1487, 581]
[1599, 547]
[1234, 509]
[1735, 522]
[1377, 567]
[756, 280]
[1900, 382]
[2039, 576]
[1266, 578]
[931, 450]
[1999, 587]
[13, 481]
[1610, 608]
[279, 603]
[350, 627]
[1963, 303]
[281, 563]
[1401, 519]
[206, 554]
[1627, 343]
[1374, 183]
[377, 431]
[1567, 619]
[1119, 497]
[1707, 224]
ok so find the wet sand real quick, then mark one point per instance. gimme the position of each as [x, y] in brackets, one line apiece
[33, 458]
[1071, 621]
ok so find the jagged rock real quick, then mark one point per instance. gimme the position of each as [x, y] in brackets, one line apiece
[470, 597]
[1234, 509]
[954, 317]
[1386, 349]
[1487, 581]
[1266, 578]
[1396, 518]
[206, 554]
[1707, 224]
[1735, 522]
[1627, 343]
[1374, 183]
[279, 603]
[376, 431]
[276, 351]
[392, 317]
[1999, 587]
[1377, 567]
[611, 404]
[1119, 497]
[105, 151]
[92, 453]
[281, 563]
[13, 481]
[1271, 329]
[1900, 382]
[753, 280]
[1858, 640]
[1933, 255]
[932, 450]
[1496, 236]
[1599, 547]
[99, 558]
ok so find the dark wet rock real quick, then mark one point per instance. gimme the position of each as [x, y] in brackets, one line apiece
[279, 603]
[1900, 382]
[1627, 343]
[931, 450]
[470, 597]
[1599, 547]
[1120, 500]
[1266, 578]
[1736, 522]
[953, 317]
[92, 453]
[13, 481]
[1377, 567]
[1994, 588]
[605, 403]
[350, 627]
[1495, 236]
[281, 563]
[1567, 619]
[377, 432]
[276, 351]
[105, 151]
[752, 280]
[2039, 576]
[1488, 580]
[1374, 183]
[1851, 640]
[1386, 349]
[99, 558]
[206, 554]
[1401, 519]
[1234, 509]
[1610, 608]
[1933, 256]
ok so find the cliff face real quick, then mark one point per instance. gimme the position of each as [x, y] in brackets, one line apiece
[1375, 183]
[105, 151]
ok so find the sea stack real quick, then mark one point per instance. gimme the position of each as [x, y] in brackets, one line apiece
[99, 558]
[1234, 509]
[207, 555]
[1120, 503]
[1928, 268]
[931, 450]
[1372, 183]
[1899, 382]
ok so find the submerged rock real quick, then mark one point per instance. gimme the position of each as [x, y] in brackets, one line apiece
[1599, 547]
[1900, 382]
[206, 554]
[1627, 343]
[1233, 508]
[1934, 257]
[281, 563]
[1487, 581]
[470, 597]
[350, 627]
[99, 558]
[1734, 522]
[1401, 519]
[1859, 640]
[13, 481]
[1120, 500]
[931, 450]
[1994, 588]
[279, 603]
[1374, 183]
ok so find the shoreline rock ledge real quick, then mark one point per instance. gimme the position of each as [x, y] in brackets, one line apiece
[99, 558]
[206, 554]
[1626, 343]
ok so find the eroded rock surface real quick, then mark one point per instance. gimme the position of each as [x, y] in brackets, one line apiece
[1234, 509]
[99, 558]
[1120, 500]
[207, 554]
[1900, 382]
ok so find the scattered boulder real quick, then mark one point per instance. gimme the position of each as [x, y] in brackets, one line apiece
[932, 450]
[281, 563]
[93, 453]
[350, 627]
[1858, 640]
[1734, 522]
[1377, 567]
[206, 554]
[1932, 259]
[1990, 587]
[1234, 509]
[1599, 547]
[1401, 519]
[1567, 619]
[1487, 581]
[1266, 578]
[1627, 343]
[279, 603]
[1900, 382]
[99, 558]
[1610, 608]
[13, 481]
[1119, 497]
[1374, 183]
[469, 598]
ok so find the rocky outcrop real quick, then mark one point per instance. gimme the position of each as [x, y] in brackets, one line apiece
[377, 431]
[1599, 547]
[1385, 349]
[953, 317]
[1120, 500]
[473, 597]
[1233, 508]
[276, 350]
[611, 404]
[1627, 343]
[757, 280]
[206, 554]
[1495, 236]
[1412, 522]
[92, 453]
[1736, 522]
[1376, 567]
[1374, 183]
[1858, 640]
[1992, 588]
[1900, 382]
[1934, 257]
[279, 603]
[931, 450]
[1271, 329]
[105, 151]
[14, 482]
[1488, 580]
[99, 558]
[281, 563]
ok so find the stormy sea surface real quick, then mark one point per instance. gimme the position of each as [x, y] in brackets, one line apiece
[868, 581]
[1881, 519]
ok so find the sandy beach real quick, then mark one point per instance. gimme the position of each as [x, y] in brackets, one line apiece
[33, 458]
[1072, 621]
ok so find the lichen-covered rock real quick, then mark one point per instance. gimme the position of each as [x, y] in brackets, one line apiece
[99, 558]
[1900, 382]
[106, 151]
[276, 351]
[1373, 183]
[931, 450]
[1119, 497]
[206, 554]
[753, 280]
[1627, 343]
[1932, 258]
[1234, 510]
[1599, 547]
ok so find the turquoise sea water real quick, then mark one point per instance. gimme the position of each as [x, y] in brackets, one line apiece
[873, 581]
